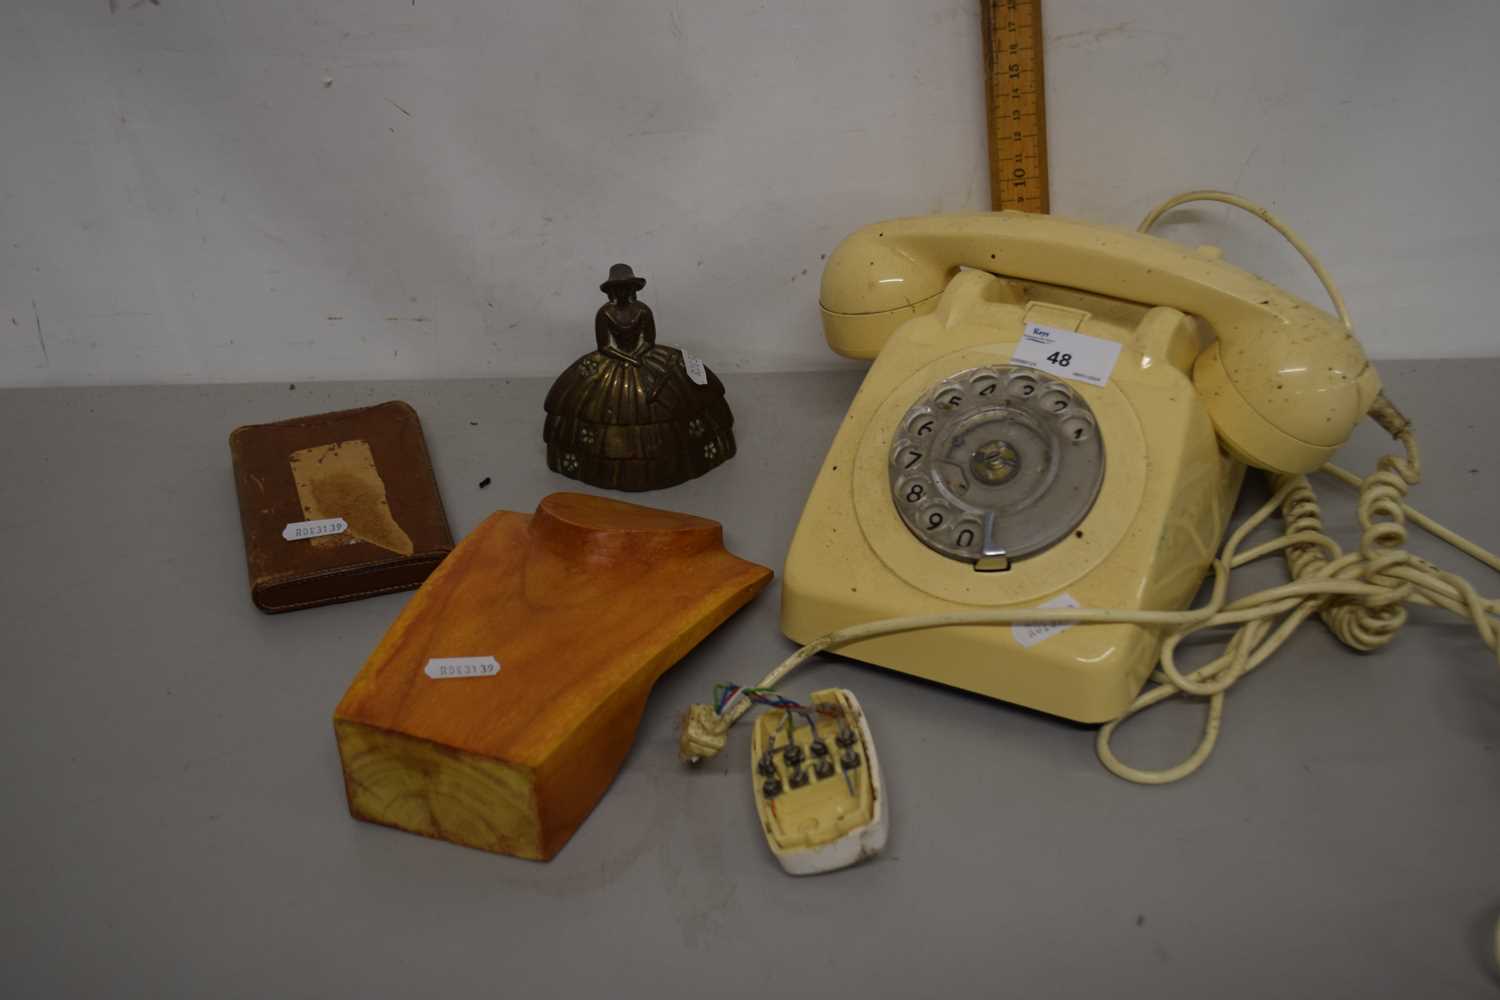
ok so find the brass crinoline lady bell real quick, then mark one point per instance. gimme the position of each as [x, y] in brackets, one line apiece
[632, 415]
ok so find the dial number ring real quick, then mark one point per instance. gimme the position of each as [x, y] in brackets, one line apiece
[995, 459]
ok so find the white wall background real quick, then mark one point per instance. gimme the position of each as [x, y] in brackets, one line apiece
[185, 197]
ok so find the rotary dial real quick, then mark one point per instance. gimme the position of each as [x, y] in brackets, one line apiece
[995, 463]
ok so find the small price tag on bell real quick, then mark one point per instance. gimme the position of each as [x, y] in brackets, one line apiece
[695, 369]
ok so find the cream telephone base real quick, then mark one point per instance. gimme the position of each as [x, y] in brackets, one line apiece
[907, 474]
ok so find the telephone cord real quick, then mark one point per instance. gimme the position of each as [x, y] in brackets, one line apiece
[1264, 215]
[1361, 595]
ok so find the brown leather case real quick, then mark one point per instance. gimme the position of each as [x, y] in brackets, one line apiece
[367, 466]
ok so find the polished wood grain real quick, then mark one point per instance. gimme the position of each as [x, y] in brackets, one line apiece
[584, 604]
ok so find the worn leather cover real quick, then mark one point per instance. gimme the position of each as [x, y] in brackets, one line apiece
[368, 466]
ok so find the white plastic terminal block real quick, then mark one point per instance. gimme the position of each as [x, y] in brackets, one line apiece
[817, 785]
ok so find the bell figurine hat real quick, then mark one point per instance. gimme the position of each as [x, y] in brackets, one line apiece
[621, 276]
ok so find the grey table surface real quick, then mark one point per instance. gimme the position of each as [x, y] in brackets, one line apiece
[175, 822]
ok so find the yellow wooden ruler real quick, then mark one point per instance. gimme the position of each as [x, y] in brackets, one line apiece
[1015, 105]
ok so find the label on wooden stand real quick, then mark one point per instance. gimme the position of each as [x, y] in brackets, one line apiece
[442, 668]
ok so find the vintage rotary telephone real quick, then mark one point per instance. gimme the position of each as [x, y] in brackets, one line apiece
[1035, 477]
[1054, 425]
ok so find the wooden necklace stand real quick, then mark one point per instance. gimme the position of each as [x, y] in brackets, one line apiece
[582, 605]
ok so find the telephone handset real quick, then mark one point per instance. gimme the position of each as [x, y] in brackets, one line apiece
[1284, 382]
[971, 474]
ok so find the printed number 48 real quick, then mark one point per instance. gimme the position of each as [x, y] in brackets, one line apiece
[1060, 359]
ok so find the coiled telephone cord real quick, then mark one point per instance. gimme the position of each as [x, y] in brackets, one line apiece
[1360, 595]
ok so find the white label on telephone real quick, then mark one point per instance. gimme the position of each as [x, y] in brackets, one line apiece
[441, 668]
[1066, 353]
[314, 529]
[1028, 634]
[695, 369]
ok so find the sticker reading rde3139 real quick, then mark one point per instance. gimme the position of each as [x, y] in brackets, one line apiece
[444, 667]
[1066, 354]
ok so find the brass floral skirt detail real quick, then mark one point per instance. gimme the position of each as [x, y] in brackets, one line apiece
[641, 426]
